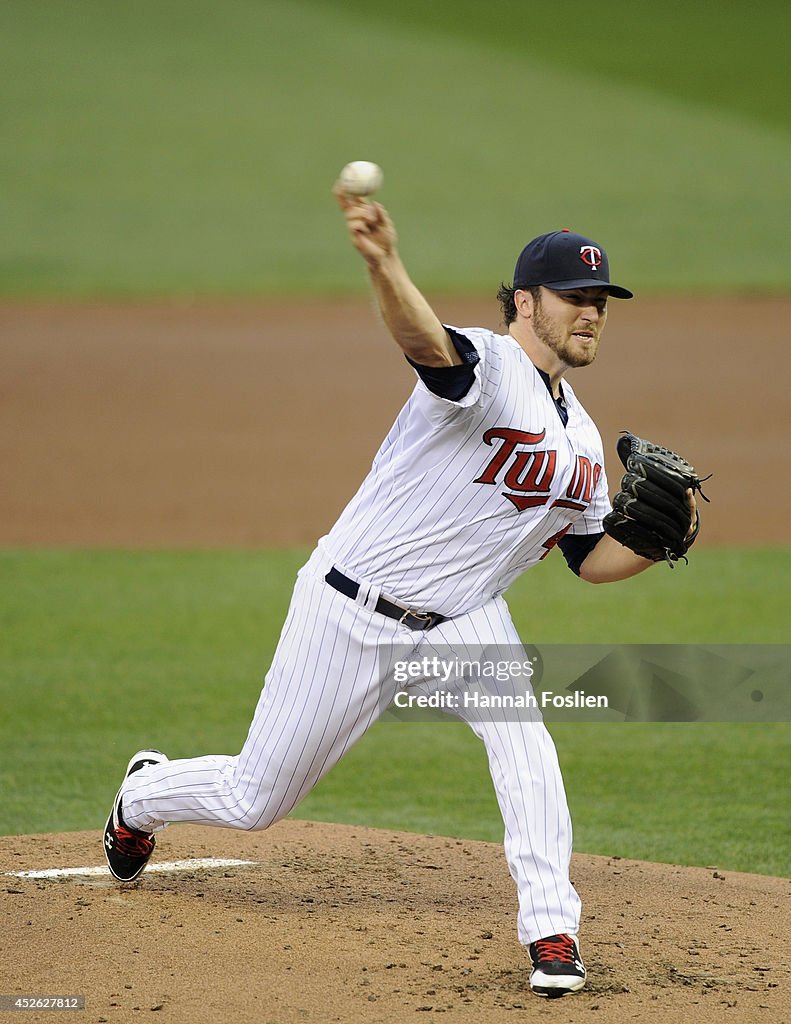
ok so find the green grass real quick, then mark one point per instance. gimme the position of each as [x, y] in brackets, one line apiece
[680, 793]
[103, 652]
[188, 148]
[731, 58]
[727, 596]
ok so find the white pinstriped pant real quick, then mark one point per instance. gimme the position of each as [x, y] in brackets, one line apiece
[330, 678]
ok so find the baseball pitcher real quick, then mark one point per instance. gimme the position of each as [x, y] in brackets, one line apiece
[491, 463]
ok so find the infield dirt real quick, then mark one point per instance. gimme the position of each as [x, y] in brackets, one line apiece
[339, 923]
[188, 425]
[253, 424]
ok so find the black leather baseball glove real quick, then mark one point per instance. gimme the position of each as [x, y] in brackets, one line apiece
[651, 512]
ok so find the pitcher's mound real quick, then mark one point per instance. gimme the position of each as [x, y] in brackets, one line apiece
[340, 923]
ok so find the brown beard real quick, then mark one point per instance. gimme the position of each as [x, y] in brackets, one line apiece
[557, 341]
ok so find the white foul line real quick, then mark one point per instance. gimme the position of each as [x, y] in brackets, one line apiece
[167, 865]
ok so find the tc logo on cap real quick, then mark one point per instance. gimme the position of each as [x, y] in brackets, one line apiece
[591, 256]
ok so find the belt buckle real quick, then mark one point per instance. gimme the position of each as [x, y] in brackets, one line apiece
[425, 617]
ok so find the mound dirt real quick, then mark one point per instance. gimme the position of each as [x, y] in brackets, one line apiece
[345, 924]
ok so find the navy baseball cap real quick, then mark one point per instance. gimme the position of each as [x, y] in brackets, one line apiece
[562, 260]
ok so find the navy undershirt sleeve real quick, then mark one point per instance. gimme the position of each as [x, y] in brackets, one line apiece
[451, 382]
[577, 547]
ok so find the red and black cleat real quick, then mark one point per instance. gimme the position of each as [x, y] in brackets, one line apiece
[557, 966]
[127, 850]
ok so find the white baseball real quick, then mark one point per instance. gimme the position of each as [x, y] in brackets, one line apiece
[361, 177]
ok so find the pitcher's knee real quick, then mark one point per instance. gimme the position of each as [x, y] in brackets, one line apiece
[258, 814]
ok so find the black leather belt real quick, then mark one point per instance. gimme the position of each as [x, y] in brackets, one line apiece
[408, 618]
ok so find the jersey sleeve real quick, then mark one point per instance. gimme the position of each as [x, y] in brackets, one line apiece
[586, 532]
[466, 385]
[592, 519]
[451, 382]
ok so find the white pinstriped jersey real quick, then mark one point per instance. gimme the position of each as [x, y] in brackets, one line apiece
[464, 496]
[461, 498]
